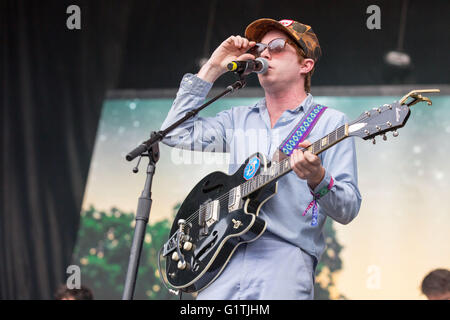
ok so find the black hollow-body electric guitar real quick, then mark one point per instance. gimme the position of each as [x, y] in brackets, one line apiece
[221, 211]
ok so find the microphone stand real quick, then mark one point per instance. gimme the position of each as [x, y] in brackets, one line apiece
[150, 149]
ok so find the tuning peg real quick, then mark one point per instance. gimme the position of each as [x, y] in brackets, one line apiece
[395, 133]
[384, 137]
[374, 141]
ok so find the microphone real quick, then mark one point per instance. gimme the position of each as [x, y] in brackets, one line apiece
[259, 65]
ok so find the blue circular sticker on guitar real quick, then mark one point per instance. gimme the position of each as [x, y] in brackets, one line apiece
[251, 168]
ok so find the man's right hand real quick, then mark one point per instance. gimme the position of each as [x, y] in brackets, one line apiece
[232, 49]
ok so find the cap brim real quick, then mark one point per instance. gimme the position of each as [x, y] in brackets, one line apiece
[258, 28]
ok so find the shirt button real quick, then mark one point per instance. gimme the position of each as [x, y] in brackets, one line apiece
[188, 80]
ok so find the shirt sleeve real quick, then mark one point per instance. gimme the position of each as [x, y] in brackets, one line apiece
[197, 133]
[343, 200]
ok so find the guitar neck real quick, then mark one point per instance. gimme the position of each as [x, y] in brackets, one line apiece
[282, 167]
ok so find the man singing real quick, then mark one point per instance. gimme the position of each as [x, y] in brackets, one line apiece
[281, 263]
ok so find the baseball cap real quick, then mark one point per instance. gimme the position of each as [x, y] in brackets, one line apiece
[300, 33]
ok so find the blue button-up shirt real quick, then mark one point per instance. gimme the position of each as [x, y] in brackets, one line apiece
[244, 130]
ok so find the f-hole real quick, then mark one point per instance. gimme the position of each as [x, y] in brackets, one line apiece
[207, 188]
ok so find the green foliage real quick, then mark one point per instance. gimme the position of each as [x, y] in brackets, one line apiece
[103, 250]
[329, 264]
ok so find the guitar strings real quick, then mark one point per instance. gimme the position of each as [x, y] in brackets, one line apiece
[278, 165]
[225, 196]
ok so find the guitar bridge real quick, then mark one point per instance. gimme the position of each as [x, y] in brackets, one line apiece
[171, 244]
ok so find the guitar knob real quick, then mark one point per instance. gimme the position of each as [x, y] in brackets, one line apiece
[384, 137]
[175, 256]
[182, 265]
[395, 133]
[187, 246]
[374, 141]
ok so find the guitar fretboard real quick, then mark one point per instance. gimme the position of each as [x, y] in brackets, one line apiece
[279, 169]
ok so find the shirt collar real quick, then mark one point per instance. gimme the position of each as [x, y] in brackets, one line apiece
[304, 105]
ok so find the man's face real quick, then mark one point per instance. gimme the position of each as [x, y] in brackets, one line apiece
[284, 67]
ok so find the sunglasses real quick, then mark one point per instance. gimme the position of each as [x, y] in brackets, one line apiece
[274, 46]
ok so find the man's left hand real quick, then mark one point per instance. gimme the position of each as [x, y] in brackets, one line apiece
[307, 165]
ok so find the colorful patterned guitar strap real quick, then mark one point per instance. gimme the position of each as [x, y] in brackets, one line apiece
[302, 129]
[297, 135]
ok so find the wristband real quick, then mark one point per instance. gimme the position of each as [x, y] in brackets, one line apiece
[313, 203]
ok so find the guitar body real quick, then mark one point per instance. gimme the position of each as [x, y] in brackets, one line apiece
[229, 227]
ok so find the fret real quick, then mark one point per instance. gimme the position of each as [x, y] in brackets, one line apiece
[273, 172]
[281, 168]
[316, 147]
[264, 178]
[341, 132]
[324, 142]
[287, 165]
[332, 137]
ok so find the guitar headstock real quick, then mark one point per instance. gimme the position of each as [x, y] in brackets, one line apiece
[387, 118]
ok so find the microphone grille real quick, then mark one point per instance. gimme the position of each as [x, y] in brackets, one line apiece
[264, 63]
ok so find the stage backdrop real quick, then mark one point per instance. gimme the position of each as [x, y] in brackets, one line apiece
[400, 234]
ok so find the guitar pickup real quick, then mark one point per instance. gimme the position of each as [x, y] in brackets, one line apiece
[234, 199]
[208, 215]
